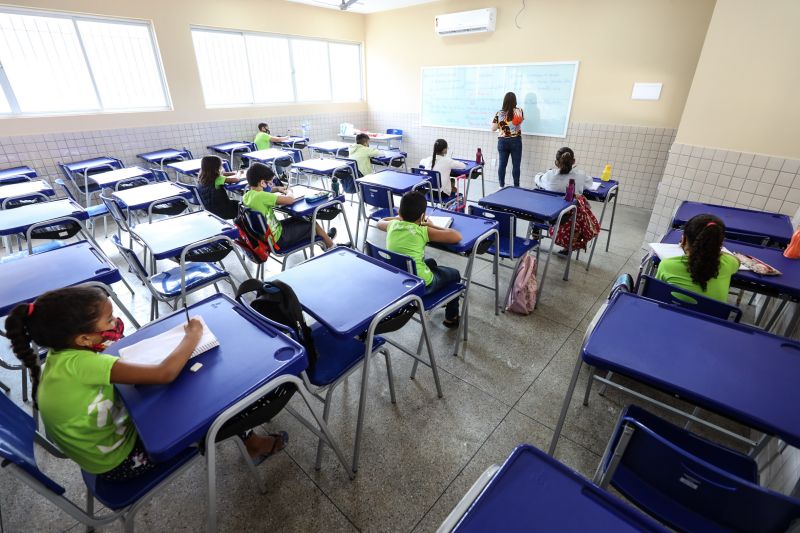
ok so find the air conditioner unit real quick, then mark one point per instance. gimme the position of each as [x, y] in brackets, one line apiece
[479, 20]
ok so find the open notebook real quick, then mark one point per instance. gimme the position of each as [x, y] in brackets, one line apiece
[441, 222]
[155, 349]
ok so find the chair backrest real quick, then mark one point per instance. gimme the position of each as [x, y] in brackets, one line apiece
[196, 194]
[664, 292]
[433, 176]
[114, 209]
[17, 434]
[690, 489]
[623, 283]
[159, 175]
[375, 195]
[394, 131]
[401, 261]
[297, 153]
[506, 222]
[188, 153]
[131, 258]
[61, 183]
[23, 200]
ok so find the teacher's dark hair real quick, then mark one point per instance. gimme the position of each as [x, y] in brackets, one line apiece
[509, 103]
[565, 160]
[438, 147]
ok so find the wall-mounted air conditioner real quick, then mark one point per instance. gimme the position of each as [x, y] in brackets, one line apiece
[479, 20]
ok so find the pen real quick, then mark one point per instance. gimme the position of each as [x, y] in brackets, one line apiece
[187, 311]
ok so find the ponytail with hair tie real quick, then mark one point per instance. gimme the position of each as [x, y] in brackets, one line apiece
[704, 236]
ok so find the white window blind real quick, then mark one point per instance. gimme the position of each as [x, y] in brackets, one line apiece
[55, 64]
[265, 68]
[5, 107]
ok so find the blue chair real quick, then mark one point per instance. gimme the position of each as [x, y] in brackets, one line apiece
[17, 437]
[12, 202]
[347, 177]
[257, 224]
[689, 483]
[393, 131]
[173, 285]
[379, 200]
[655, 289]
[435, 196]
[94, 211]
[79, 181]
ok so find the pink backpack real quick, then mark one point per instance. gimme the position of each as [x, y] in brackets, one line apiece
[522, 296]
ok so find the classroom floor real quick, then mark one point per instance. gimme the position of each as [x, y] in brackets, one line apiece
[420, 455]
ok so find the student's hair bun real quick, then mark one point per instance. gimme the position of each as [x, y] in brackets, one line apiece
[566, 159]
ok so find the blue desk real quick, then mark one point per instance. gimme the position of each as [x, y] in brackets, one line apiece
[398, 182]
[608, 190]
[74, 264]
[82, 169]
[269, 156]
[251, 360]
[166, 238]
[146, 195]
[324, 168]
[533, 492]
[230, 148]
[773, 227]
[377, 138]
[301, 208]
[391, 158]
[473, 171]
[735, 370]
[167, 155]
[332, 148]
[474, 232]
[542, 210]
[114, 178]
[293, 142]
[16, 174]
[25, 188]
[13, 221]
[188, 167]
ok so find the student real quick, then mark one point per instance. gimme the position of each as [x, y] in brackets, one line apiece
[443, 164]
[557, 179]
[409, 233]
[704, 268]
[362, 153]
[289, 231]
[263, 140]
[75, 393]
[211, 188]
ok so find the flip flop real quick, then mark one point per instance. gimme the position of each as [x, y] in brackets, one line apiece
[282, 437]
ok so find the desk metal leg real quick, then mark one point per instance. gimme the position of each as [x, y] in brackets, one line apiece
[565, 406]
[611, 224]
[569, 248]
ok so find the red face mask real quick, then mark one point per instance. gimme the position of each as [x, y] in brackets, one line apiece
[109, 336]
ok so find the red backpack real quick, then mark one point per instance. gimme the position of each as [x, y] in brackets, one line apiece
[254, 242]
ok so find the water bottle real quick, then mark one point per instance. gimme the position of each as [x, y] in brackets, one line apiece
[335, 185]
[606, 175]
[479, 157]
[570, 191]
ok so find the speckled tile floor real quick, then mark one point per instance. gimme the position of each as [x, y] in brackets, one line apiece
[420, 455]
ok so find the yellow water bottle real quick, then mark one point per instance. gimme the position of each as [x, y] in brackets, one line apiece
[606, 175]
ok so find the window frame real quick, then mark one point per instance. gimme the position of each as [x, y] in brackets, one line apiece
[289, 38]
[8, 90]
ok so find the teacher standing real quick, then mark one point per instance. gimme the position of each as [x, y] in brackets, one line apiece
[508, 124]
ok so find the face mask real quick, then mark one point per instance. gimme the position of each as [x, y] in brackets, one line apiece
[109, 336]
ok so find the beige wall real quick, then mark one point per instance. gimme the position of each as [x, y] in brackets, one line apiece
[171, 19]
[744, 95]
[617, 42]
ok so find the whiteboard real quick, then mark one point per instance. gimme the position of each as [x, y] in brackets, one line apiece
[467, 97]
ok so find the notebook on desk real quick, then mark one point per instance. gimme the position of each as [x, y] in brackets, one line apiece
[441, 222]
[154, 350]
[595, 186]
[665, 250]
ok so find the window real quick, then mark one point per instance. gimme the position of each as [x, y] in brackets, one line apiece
[238, 68]
[56, 64]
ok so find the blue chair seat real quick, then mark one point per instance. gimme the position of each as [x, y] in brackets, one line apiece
[99, 210]
[337, 355]
[434, 299]
[299, 245]
[521, 247]
[118, 495]
[168, 283]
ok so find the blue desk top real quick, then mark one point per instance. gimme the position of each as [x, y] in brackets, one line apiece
[773, 225]
[346, 304]
[534, 492]
[88, 164]
[163, 155]
[787, 283]
[526, 203]
[470, 165]
[167, 237]
[25, 188]
[142, 197]
[291, 141]
[28, 277]
[232, 146]
[301, 208]
[735, 370]
[470, 227]
[11, 173]
[601, 193]
[20, 219]
[171, 417]
[324, 167]
[112, 177]
[268, 155]
[386, 156]
[328, 147]
[398, 182]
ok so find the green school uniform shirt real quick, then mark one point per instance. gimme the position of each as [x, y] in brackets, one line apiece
[81, 411]
[264, 202]
[675, 271]
[362, 155]
[262, 140]
[409, 239]
[219, 182]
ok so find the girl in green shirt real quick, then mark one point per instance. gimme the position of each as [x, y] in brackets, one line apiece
[75, 392]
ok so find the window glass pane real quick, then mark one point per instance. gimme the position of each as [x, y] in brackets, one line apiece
[123, 61]
[44, 63]
[270, 68]
[224, 71]
[4, 105]
[311, 70]
[345, 71]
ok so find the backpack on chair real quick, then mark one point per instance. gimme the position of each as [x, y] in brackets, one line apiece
[254, 245]
[522, 296]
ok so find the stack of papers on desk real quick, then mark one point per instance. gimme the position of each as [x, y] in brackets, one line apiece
[595, 186]
[154, 350]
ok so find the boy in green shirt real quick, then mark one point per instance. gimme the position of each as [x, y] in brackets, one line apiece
[408, 234]
[263, 138]
[362, 153]
[289, 231]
